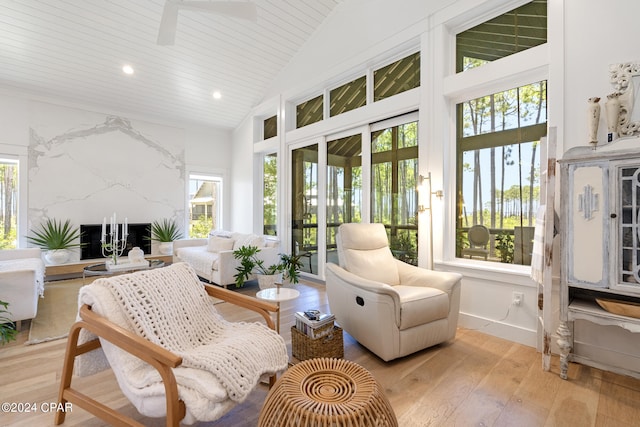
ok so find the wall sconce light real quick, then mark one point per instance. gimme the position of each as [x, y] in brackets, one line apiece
[421, 183]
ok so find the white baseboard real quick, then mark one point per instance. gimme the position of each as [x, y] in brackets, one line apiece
[499, 329]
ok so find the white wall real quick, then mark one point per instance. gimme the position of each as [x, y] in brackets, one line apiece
[356, 32]
[208, 151]
[596, 36]
[242, 179]
[57, 187]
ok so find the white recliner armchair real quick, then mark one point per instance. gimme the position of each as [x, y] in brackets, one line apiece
[391, 307]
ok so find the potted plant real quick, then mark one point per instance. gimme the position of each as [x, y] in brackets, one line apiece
[57, 238]
[287, 268]
[165, 231]
[7, 329]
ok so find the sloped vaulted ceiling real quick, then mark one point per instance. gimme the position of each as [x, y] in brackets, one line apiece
[75, 50]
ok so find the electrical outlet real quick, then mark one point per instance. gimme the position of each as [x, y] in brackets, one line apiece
[517, 298]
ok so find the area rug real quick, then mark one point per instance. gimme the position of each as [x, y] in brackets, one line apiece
[56, 311]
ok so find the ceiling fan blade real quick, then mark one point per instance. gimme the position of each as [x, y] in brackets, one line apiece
[168, 24]
[243, 10]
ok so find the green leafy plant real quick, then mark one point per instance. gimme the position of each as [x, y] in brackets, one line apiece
[53, 234]
[505, 245]
[288, 265]
[165, 230]
[7, 328]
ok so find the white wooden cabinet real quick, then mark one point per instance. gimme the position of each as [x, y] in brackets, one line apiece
[600, 247]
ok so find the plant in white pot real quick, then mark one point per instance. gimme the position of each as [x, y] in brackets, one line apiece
[287, 268]
[165, 231]
[56, 238]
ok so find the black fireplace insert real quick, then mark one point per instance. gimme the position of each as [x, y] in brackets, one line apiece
[139, 236]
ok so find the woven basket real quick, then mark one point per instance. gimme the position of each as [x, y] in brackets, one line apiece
[304, 347]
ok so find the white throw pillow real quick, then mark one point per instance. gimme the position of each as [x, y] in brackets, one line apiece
[217, 244]
[247, 240]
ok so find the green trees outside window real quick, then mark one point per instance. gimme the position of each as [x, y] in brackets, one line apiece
[498, 166]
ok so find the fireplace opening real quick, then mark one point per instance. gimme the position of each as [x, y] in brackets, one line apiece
[139, 236]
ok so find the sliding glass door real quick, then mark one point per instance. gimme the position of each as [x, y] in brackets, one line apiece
[394, 195]
[344, 187]
[366, 174]
[304, 192]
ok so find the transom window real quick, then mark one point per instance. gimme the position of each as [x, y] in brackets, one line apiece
[348, 97]
[270, 127]
[397, 77]
[309, 112]
[517, 30]
[390, 80]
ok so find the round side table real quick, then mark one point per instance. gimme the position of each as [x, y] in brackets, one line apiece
[327, 392]
[278, 295]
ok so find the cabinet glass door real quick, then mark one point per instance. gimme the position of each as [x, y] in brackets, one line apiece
[628, 208]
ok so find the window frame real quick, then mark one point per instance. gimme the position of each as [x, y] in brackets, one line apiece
[496, 139]
[516, 70]
[208, 176]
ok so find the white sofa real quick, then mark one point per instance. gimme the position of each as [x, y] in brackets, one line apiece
[21, 282]
[212, 258]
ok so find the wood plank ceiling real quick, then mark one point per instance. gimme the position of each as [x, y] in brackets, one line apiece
[74, 50]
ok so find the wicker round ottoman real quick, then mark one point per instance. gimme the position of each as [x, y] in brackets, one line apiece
[327, 392]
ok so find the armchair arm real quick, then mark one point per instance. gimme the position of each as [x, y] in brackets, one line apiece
[337, 278]
[132, 343]
[410, 275]
[7, 254]
[158, 357]
[261, 307]
[364, 284]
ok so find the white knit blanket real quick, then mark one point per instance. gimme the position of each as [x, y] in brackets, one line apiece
[222, 361]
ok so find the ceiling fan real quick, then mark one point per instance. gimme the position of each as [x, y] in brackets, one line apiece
[167, 32]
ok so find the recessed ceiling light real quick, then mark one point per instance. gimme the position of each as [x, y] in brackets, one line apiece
[127, 69]
[217, 94]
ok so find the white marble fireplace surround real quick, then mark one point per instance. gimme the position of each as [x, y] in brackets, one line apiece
[84, 166]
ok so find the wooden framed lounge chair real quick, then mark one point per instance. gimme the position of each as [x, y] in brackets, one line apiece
[172, 353]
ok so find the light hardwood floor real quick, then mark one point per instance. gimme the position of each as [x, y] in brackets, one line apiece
[477, 380]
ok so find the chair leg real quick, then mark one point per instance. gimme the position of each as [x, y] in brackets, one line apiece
[67, 371]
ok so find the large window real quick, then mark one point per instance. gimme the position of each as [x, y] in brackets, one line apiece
[204, 204]
[8, 203]
[270, 194]
[498, 165]
[394, 177]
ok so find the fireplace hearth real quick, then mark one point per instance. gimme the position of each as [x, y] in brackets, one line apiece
[139, 236]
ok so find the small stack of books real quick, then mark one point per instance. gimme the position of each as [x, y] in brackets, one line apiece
[314, 324]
